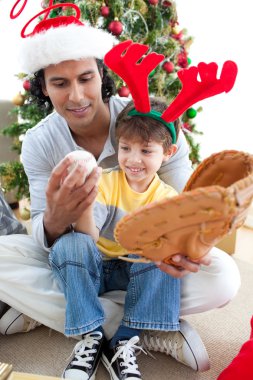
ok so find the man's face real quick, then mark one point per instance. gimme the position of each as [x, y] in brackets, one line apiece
[74, 88]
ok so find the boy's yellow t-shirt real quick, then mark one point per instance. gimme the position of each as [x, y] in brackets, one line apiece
[116, 199]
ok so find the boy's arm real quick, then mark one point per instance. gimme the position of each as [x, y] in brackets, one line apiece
[86, 224]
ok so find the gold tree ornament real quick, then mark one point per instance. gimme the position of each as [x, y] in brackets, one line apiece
[18, 99]
[142, 6]
[25, 213]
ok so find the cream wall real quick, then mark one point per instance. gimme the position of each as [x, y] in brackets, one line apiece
[10, 38]
[222, 30]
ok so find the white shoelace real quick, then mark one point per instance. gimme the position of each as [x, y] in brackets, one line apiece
[83, 351]
[30, 324]
[158, 344]
[127, 352]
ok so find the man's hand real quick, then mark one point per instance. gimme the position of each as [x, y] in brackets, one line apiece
[67, 198]
[183, 265]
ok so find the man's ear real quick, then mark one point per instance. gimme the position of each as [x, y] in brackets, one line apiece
[170, 152]
[43, 87]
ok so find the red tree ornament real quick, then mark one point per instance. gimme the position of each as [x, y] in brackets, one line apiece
[166, 4]
[187, 127]
[153, 2]
[124, 91]
[115, 27]
[182, 60]
[104, 11]
[178, 36]
[168, 66]
[26, 85]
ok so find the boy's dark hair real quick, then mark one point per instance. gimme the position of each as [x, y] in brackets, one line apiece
[37, 95]
[143, 127]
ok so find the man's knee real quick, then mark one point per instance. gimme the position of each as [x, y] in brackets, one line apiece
[226, 277]
[212, 287]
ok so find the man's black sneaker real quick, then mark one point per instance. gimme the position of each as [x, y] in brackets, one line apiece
[85, 357]
[120, 361]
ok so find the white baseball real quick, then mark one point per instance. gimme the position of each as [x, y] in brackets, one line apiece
[86, 157]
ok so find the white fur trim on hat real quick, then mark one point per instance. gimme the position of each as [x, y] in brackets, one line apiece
[71, 42]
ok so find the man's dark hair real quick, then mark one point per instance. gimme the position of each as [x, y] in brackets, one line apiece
[43, 101]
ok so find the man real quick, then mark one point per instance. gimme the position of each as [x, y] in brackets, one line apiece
[69, 75]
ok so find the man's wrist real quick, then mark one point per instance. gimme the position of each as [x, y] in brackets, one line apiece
[70, 228]
[53, 232]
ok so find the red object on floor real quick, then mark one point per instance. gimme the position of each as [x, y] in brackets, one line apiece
[241, 366]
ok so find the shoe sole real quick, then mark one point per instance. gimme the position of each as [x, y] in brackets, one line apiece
[93, 377]
[200, 354]
[7, 321]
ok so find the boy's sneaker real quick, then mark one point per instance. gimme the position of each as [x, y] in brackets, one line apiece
[184, 345]
[85, 357]
[120, 361]
[13, 322]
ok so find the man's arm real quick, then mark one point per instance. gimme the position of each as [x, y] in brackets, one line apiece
[55, 204]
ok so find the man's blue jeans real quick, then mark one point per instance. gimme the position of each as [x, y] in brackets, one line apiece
[152, 298]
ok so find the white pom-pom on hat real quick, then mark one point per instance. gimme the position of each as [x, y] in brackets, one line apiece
[66, 42]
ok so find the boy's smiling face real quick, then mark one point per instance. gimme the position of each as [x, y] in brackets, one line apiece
[140, 160]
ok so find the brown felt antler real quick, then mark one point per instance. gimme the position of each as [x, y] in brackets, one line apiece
[126, 59]
[194, 90]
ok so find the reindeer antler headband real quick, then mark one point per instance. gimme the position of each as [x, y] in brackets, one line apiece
[54, 40]
[126, 60]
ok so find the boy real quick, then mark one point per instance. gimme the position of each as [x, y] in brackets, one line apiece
[143, 145]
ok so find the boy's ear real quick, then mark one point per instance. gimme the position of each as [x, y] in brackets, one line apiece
[170, 152]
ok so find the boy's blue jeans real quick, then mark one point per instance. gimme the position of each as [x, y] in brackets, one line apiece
[152, 298]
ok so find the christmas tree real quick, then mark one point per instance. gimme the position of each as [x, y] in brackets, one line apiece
[151, 22]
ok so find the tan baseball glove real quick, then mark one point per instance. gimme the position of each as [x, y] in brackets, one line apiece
[213, 204]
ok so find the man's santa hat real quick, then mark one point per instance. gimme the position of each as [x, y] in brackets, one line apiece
[55, 40]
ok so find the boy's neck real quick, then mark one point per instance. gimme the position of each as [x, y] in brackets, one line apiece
[139, 186]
